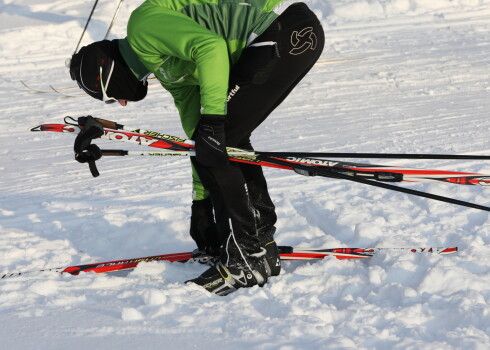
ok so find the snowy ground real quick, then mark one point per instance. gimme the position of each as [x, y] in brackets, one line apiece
[423, 85]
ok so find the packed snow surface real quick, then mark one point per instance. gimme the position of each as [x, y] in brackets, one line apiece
[419, 82]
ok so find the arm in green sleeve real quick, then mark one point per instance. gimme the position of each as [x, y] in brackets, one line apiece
[187, 101]
[198, 190]
[155, 32]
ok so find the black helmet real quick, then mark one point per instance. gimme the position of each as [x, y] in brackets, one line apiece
[100, 70]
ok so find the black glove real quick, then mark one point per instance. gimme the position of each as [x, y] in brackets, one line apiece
[85, 152]
[203, 228]
[89, 154]
[210, 141]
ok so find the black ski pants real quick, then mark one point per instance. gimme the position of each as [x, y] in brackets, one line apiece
[262, 78]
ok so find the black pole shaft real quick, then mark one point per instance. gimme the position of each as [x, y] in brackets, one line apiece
[373, 155]
[336, 175]
[86, 25]
[113, 20]
[114, 125]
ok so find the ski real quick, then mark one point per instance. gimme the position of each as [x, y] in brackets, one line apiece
[63, 93]
[62, 90]
[329, 61]
[51, 89]
[182, 147]
[368, 174]
[286, 253]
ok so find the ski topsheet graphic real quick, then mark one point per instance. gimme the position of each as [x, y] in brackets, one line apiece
[286, 253]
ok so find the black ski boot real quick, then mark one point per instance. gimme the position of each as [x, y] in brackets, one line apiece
[234, 270]
[272, 258]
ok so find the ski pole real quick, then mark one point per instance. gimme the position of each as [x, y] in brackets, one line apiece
[86, 25]
[338, 175]
[113, 19]
[312, 171]
[376, 155]
[190, 153]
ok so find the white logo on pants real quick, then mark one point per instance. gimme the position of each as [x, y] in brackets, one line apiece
[303, 41]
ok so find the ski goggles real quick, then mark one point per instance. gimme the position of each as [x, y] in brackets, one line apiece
[105, 98]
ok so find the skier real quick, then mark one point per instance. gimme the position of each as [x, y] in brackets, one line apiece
[227, 65]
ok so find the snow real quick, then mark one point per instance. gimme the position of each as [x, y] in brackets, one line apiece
[421, 84]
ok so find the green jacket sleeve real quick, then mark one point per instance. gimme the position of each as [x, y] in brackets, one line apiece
[186, 99]
[156, 32]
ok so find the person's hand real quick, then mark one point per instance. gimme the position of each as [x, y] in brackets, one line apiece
[85, 152]
[210, 141]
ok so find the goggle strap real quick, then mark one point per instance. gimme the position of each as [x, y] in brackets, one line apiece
[105, 97]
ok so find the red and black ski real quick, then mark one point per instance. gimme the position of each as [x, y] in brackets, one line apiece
[177, 146]
[286, 253]
[373, 175]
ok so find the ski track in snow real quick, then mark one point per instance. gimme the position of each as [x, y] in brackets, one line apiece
[421, 85]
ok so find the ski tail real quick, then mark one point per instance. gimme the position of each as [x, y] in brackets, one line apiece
[116, 265]
[296, 253]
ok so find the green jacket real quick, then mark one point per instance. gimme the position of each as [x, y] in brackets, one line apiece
[189, 45]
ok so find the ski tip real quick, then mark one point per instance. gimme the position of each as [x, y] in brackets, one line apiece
[451, 250]
[36, 128]
[72, 270]
[26, 85]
